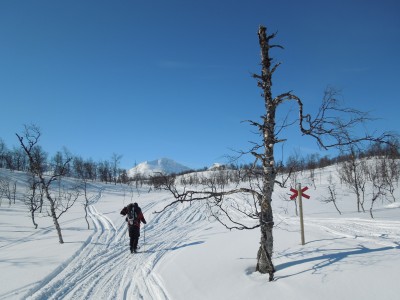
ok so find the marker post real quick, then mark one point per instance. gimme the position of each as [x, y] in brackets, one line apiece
[299, 193]
[301, 213]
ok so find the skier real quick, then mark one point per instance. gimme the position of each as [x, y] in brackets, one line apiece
[134, 216]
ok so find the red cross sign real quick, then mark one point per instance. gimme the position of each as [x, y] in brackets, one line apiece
[296, 193]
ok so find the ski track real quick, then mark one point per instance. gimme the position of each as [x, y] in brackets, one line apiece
[386, 233]
[105, 269]
[45, 230]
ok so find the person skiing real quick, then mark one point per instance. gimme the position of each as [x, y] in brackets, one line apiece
[134, 216]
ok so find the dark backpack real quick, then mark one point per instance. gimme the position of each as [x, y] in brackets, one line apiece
[133, 214]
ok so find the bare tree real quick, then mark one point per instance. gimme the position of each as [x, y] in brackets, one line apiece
[123, 176]
[67, 197]
[3, 153]
[115, 161]
[105, 171]
[90, 169]
[311, 165]
[8, 190]
[378, 184]
[4, 186]
[83, 174]
[353, 173]
[331, 127]
[33, 197]
[390, 173]
[14, 159]
[37, 166]
[332, 194]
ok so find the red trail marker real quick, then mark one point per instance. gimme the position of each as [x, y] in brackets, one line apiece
[296, 193]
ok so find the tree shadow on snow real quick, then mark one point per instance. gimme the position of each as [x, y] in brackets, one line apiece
[325, 260]
[185, 245]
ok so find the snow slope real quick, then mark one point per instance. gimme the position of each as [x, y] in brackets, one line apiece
[185, 255]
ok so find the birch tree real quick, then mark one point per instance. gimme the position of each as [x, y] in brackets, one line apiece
[353, 173]
[330, 127]
[33, 198]
[115, 161]
[82, 172]
[37, 165]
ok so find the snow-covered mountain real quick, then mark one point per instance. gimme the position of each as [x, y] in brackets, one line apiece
[216, 166]
[163, 165]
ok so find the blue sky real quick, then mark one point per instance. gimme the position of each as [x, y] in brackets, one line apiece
[152, 79]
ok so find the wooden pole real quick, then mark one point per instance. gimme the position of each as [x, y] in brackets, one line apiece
[301, 213]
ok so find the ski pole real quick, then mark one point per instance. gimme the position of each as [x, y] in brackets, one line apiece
[144, 238]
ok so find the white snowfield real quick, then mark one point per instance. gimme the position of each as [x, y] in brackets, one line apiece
[184, 254]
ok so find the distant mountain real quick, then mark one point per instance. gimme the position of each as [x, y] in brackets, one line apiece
[216, 166]
[163, 165]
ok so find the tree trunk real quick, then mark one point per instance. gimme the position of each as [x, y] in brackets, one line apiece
[54, 215]
[264, 256]
[33, 218]
[86, 204]
[86, 216]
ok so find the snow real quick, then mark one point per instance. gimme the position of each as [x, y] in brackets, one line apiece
[186, 255]
[216, 166]
[162, 165]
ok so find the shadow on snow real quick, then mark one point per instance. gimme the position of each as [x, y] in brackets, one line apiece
[325, 260]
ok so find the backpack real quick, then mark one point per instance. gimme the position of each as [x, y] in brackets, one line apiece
[133, 214]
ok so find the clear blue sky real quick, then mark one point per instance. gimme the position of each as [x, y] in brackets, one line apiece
[151, 79]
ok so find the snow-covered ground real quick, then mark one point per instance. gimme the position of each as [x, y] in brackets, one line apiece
[185, 255]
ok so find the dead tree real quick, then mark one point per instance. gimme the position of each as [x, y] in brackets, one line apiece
[329, 127]
[37, 166]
